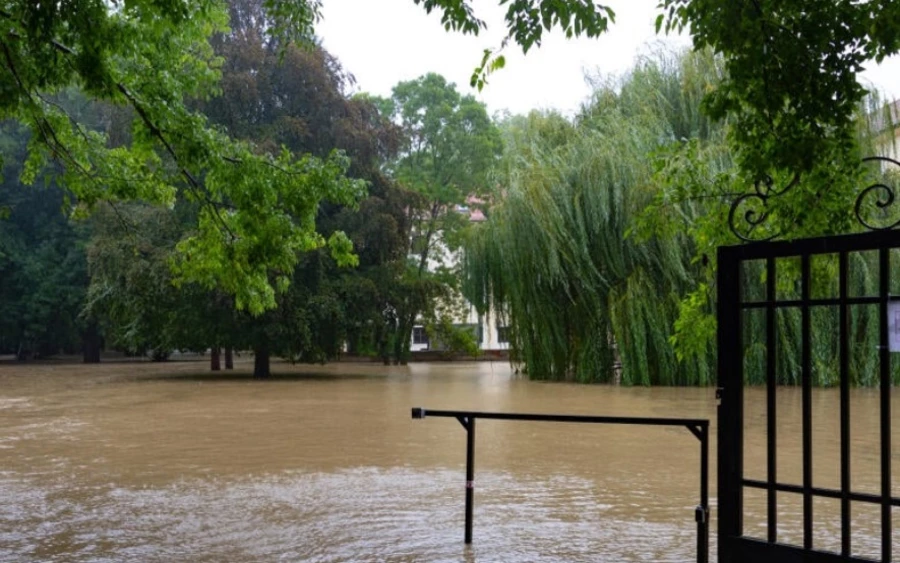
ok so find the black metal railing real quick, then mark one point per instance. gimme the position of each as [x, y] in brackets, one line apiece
[698, 427]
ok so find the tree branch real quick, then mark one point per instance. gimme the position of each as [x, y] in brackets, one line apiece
[193, 183]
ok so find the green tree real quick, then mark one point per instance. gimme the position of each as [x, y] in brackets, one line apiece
[294, 98]
[557, 258]
[133, 295]
[297, 98]
[451, 145]
[602, 246]
[257, 210]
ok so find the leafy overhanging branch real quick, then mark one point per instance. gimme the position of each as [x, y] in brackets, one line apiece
[257, 210]
[526, 21]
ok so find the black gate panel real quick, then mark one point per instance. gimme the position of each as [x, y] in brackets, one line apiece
[734, 545]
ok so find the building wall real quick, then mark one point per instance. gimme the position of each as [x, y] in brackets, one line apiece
[491, 332]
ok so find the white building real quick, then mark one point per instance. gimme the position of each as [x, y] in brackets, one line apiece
[488, 333]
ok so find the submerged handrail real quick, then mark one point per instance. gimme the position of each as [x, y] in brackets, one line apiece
[698, 427]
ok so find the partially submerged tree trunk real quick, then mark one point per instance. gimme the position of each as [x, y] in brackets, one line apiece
[229, 358]
[91, 344]
[159, 355]
[261, 362]
[402, 340]
[214, 359]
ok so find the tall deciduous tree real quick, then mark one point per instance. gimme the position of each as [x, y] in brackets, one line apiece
[136, 302]
[283, 96]
[597, 253]
[451, 144]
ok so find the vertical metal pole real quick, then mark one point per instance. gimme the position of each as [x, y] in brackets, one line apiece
[771, 404]
[806, 381]
[843, 271]
[885, 392]
[730, 411]
[702, 515]
[470, 475]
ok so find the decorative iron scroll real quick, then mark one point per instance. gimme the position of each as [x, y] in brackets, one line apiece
[756, 214]
[884, 194]
[749, 211]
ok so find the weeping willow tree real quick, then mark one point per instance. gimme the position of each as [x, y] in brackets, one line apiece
[587, 278]
[555, 259]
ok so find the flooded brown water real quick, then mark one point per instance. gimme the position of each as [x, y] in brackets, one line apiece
[167, 462]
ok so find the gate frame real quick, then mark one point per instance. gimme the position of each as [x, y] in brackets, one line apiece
[733, 546]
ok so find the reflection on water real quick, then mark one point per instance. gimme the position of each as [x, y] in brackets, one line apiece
[141, 462]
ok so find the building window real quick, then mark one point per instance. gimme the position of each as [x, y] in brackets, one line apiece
[419, 335]
[503, 334]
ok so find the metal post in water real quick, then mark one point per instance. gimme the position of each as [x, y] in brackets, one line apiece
[470, 474]
[702, 515]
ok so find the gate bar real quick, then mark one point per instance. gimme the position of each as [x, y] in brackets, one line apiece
[697, 426]
[843, 281]
[806, 400]
[771, 400]
[884, 365]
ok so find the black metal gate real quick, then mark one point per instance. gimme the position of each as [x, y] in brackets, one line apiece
[735, 304]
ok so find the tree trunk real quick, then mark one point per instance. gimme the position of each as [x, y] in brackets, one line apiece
[406, 322]
[382, 343]
[91, 344]
[261, 362]
[402, 339]
[214, 359]
[229, 358]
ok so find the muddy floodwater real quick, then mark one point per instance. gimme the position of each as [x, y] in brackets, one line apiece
[167, 462]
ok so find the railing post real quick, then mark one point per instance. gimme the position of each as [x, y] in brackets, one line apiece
[470, 475]
[702, 512]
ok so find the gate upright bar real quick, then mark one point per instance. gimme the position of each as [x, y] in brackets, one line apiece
[698, 427]
[844, 293]
[885, 392]
[771, 402]
[730, 393]
[806, 401]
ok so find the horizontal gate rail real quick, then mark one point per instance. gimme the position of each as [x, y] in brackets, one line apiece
[821, 492]
[820, 245]
[698, 427]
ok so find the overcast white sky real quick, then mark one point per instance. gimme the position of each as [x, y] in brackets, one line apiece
[382, 42]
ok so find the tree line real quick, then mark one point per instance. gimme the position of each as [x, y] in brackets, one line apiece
[76, 275]
[286, 216]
